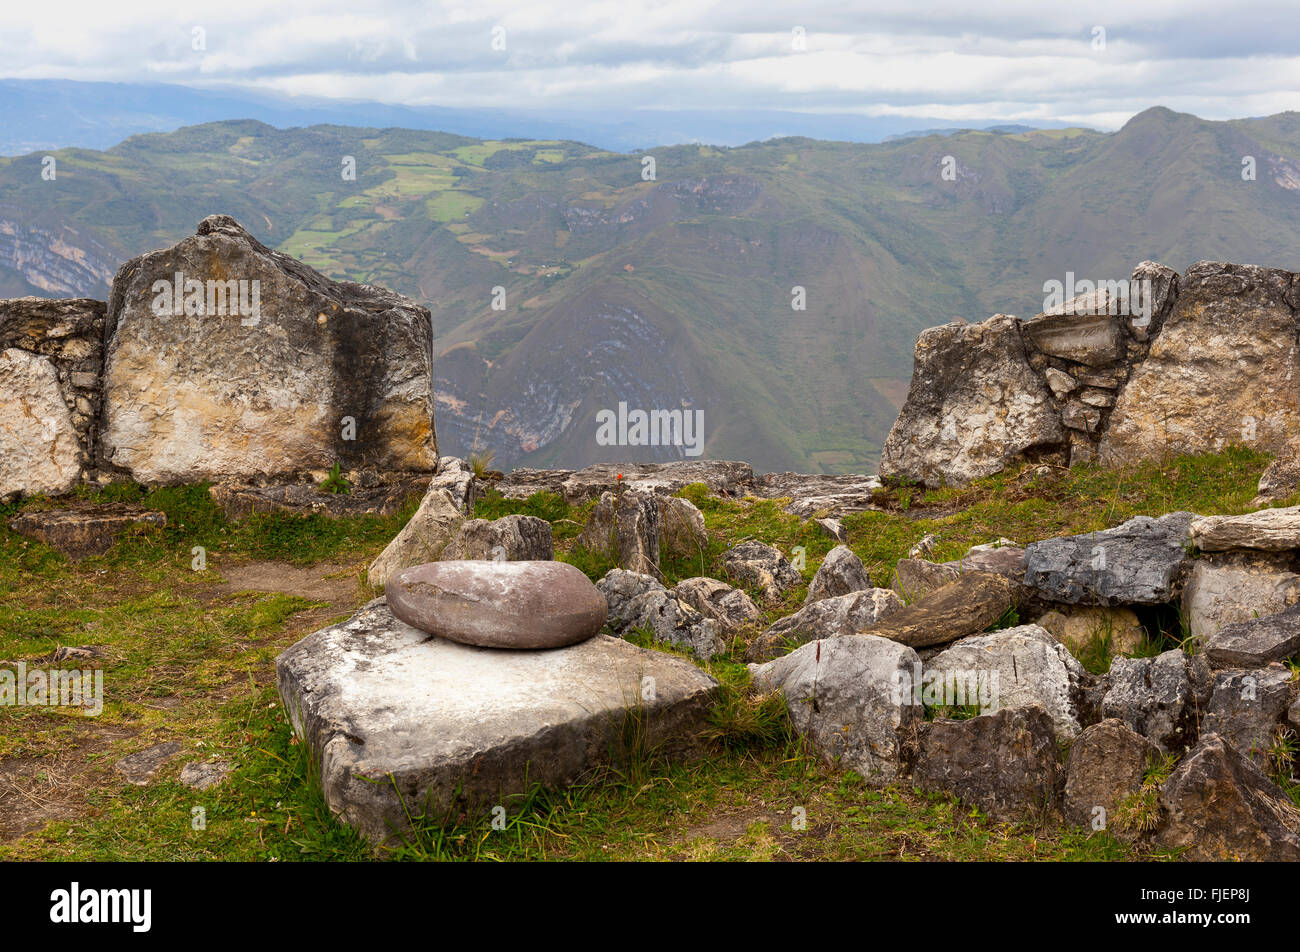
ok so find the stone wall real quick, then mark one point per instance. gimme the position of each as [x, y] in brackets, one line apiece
[51, 357]
[217, 359]
[1207, 360]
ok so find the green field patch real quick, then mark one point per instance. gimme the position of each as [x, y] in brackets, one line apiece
[452, 205]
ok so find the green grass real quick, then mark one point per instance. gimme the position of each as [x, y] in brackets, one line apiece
[185, 661]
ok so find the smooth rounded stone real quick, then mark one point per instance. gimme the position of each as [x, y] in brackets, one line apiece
[499, 604]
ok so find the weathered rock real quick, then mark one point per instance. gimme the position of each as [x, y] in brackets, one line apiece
[1220, 806]
[241, 502]
[820, 493]
[624, 527]
[1160, 290]
[640, 601]
[1247, 709]
[924, 547]
[1106, 765]
[1161, 698]
[142, 767]
[1255, 642]
[1269, 530]
[843, 695]
[524, 482]
[762, 566]
[974, 406]
[1141, 562]
[681, 528]
[512, 538]
[1080, 330]
[87, 530]
[731, 608]
[49, 393]
[916, 578]
[833, 528]
[499, 604]
[724, 478]
[1282, 477]
[455, 476]
[965, 606]
[421, 540]
[1221, 371]
[306, 372]
[39, 447]
[1026, 667]
[1087, 625]
[204, 775]
[1061, 383]
[400, 722]
[840, 573]
[834, 617]
[1232, 587]
[1002, 557]
[1005, 763]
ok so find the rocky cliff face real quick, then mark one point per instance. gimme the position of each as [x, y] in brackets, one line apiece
[1165, 365]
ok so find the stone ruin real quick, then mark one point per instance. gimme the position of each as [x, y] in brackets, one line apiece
[1200, 362]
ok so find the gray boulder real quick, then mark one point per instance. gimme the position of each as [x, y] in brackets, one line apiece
[624, 527]
[1226, 588]
[1159, 698]
[842, 695]
[1247, 709]
[640, 601]
[1106, 765]
[311, 373]
[731, 608]
[762, 566]
[975, 405]
[828, 618]
[464, 729]
[1141, 562]
[840, 573]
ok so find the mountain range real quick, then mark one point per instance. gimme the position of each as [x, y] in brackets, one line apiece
[670, 278]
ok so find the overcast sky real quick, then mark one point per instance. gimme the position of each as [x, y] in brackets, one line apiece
[1014, 61]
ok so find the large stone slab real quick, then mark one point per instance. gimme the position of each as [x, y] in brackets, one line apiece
[499, 604]
[1079, 335]
[723, 477]
[1140, 562]
[975, 405]
[85, 531]
[819, 494]
[304, 373]
[1223, 370]
[400, 720]
[1270, 530]
[241, 502]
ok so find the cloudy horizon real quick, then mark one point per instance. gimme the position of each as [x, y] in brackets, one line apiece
[1095, 65]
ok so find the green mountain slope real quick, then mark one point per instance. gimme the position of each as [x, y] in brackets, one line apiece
[676, 292]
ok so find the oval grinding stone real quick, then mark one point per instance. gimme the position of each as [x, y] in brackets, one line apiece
[499, 604]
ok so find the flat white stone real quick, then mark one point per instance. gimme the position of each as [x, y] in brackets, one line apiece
[402, 720]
